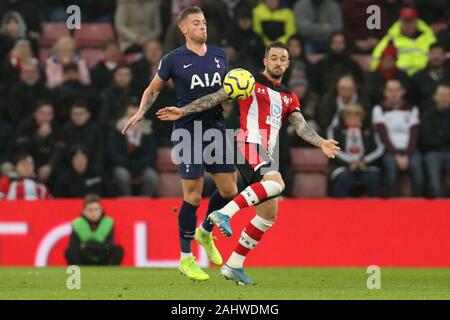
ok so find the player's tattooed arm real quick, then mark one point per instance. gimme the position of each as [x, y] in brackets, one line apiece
[303, 130]
[206, 102]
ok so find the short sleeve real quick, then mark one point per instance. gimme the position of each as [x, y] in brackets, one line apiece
[295, 104]
[165, 67]
[377, 115]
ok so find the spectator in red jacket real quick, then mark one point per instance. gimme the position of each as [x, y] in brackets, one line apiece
[22, 184]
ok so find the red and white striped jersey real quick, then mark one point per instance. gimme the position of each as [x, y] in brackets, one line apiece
[26, 189]
[264, 111]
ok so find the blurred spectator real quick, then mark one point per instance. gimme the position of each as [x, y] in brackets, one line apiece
[328, 114]
[24, 94]
[81, 178]
[435, 140]
[72, 90]
[102, 72]
[137, 21]
[244, 46]
[12, 28]
[309, 101]
[444, 37]
[28, 10]
[433, 11]
[425, 81]
[412, 37]
[336, 63]
[397, 123]
[273, 23]
[63, 54]
[115, 98]
[145, 68]
[299, 67]
[82, 130]
[40, 136]
[355, 17]
[22, 182]
[356, 163]
[20, 54]
[317, 20]
[386, 70]
[92, 238]
[6, 147]
[218, 14]
[133, 155]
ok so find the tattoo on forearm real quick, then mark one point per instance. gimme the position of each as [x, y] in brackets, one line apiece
[204, 103]
[305, 131]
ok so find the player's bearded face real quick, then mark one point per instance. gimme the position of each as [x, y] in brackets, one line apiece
[196, 28]
[276, 62]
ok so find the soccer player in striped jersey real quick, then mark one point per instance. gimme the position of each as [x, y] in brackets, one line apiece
[260, 121]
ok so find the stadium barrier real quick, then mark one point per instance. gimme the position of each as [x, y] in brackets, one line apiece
[325, 232]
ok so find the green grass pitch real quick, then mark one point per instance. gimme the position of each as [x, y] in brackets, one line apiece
[272, 283]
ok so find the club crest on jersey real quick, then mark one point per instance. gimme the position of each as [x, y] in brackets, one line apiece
[275, 110]
[217, 62]
[205, 82]
[287, 101]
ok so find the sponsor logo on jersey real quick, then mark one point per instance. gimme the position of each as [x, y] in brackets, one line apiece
[197, 81]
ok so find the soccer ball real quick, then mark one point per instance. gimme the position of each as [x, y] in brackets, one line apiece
[239, 84]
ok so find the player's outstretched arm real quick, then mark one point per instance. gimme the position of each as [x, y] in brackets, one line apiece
[204, 103]
[148, 97]
[304, 131]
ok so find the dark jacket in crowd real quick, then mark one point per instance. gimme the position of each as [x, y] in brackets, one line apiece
[6, 141]
[375, 82]
[71, 184]
[90, 135]
[22, 99]
[68, 93]
[114, 103]
[435, 130]
[332, 67]
[134, 158]
[424, 84]
[327, 108]
[45, 151]
[101, 76]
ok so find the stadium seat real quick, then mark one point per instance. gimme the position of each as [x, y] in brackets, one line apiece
[310, 169]
[309, 185]
[169, 180]
[308, 160]
[51, 32]
[91, 56]
[93, 34]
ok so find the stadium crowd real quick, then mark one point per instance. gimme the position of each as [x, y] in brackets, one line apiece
[383, 93]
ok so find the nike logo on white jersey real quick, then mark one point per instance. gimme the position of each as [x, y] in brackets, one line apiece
[187, 65]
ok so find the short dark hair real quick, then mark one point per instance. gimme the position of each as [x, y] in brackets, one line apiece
[437, 45]
[187, 12]
[396, 80]
[91, 198]
[122, 65]
[80, 104]
[42, 103]
[276, 44]
[21, 156]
